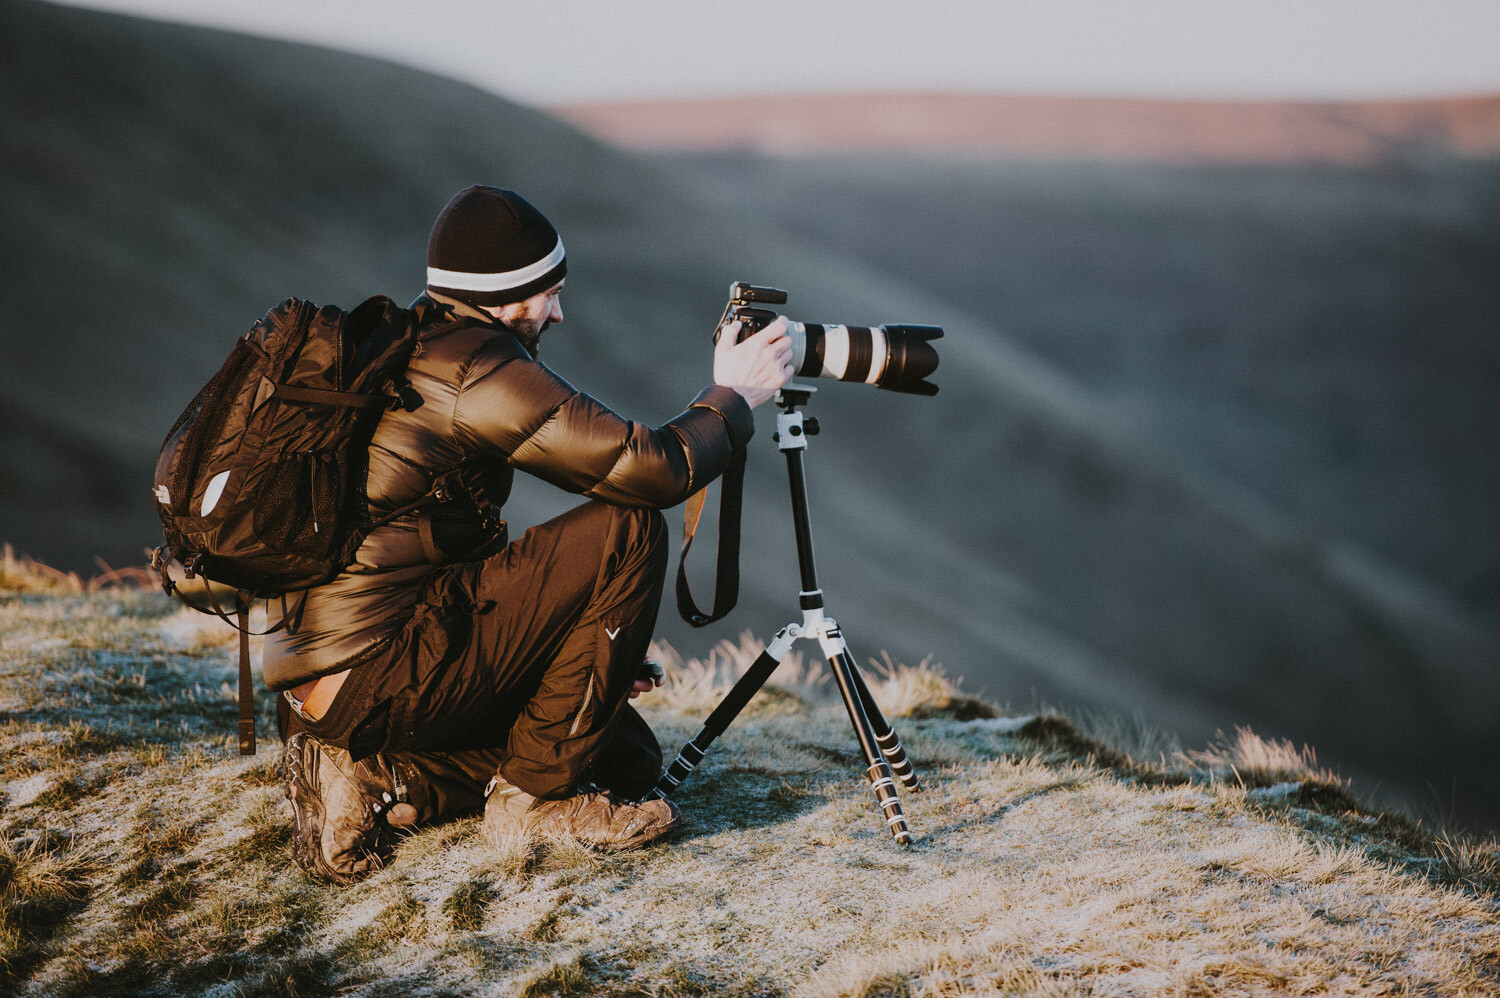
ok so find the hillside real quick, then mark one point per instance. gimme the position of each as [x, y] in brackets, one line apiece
[140, 855]
[1321, 333]
[173, 185]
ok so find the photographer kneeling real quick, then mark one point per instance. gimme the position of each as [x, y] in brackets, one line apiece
[446, 668]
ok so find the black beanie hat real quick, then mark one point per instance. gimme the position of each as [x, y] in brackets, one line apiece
[491, 247]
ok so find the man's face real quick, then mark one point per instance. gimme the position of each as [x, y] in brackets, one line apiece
[530, 318]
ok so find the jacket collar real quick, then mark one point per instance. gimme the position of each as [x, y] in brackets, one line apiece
[433, 308]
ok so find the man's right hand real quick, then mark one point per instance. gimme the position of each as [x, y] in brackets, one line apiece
[758, 367]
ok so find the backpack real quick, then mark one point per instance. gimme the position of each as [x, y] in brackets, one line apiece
[261, 481]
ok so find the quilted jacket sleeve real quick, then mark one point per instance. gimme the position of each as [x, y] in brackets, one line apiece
[518, 409]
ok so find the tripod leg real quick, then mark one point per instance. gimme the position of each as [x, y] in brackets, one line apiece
[734, 701]
[879, 771]
[885, 735]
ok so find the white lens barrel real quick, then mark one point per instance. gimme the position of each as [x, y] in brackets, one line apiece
[835, 351]
[878, 354]
[844, 353]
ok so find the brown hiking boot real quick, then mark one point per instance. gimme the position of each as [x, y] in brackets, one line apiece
[344, 810]
[593, 816]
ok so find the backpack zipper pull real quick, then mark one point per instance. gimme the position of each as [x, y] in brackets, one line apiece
[312, 479]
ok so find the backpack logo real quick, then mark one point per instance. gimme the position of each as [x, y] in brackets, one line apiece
[612, 632]
[162, 495]
[215, 490]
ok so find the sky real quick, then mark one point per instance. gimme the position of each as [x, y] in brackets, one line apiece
[566, 51]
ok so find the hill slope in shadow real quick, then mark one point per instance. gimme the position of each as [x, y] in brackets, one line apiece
[172, 183]
[1321, 332]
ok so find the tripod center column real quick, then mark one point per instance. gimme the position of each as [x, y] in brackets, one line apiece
[791, 438]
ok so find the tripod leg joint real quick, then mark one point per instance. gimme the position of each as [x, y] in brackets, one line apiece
[783, 641]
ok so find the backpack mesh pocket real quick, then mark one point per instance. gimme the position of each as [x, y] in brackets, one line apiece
[298, 505]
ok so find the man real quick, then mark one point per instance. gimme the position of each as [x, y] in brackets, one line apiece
[448, 667]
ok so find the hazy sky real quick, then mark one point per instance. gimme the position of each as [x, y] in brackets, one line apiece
[568, 50]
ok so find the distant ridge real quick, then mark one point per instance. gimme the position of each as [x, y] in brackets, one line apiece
[1050, 127]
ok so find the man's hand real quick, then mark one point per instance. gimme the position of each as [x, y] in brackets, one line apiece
[757, 367]
[652, 676]
[643, 686]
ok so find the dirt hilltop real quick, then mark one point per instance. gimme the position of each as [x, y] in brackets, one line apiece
[140, 855]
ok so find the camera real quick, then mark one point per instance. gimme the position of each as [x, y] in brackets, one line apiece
[894, 357]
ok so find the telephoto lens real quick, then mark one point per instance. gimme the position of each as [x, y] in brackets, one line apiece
[895, 357]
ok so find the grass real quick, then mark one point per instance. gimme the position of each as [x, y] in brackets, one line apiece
[139, 854]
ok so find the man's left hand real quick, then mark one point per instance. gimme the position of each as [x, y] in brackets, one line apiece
[653, 676]
[643, 686]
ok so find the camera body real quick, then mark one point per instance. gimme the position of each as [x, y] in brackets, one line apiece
[894, 357]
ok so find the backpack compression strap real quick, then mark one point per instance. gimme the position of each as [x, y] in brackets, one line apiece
[727, 573]
[325, 396]
[246, 688]
[241, 622]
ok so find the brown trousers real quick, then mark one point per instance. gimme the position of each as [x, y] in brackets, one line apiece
[521, 664]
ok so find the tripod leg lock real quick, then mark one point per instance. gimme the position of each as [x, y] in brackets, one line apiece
[687, 760]
[890, 804]
[831, 638]
[890, 747]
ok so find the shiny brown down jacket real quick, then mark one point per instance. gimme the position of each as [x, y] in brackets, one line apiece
[488, 405]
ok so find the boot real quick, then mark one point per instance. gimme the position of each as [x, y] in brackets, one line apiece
[345, 811]
[593, 816]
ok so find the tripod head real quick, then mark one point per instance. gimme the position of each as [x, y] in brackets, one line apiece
[793, 395]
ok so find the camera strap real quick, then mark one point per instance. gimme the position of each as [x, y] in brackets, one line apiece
[727, 574]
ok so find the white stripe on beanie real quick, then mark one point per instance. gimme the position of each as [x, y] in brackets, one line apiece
[462, 281]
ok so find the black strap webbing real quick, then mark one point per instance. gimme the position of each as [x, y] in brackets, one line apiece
[247, 688]
[727, 574]
[324, 396]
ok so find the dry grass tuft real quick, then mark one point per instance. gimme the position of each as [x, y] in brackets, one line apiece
[514, 852]
[923, 691]
[1059, 739]
[23, 575]
[1470, 862]
[465, 907]
[41, 886]
[19, 574]
[695, 685]
[1252, 761]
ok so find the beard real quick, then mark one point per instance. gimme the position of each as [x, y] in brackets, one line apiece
[532, 341]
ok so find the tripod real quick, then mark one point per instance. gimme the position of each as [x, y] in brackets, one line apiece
[881, 747]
